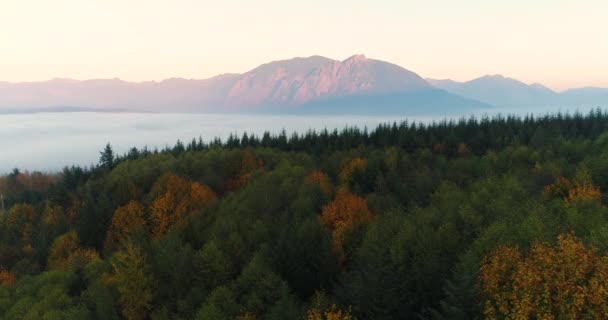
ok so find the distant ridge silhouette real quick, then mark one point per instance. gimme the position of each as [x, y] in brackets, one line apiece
[313, 84]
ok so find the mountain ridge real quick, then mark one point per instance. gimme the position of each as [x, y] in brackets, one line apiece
[298, 84]
[499, 90]
[295, 84]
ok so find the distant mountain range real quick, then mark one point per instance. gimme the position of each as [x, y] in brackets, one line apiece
[301, 85]
[501, 91]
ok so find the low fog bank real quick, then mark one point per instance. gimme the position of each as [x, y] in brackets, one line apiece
[50, 141]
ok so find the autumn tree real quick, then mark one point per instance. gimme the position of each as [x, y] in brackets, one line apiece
[579, 189]
[350, 168]
[584, 189]
[333, 313]
[7, 278]
[20, 223]
[127, 220]
[320, 179]
[133, 281]
[568, 280]
[66, 253]
[175, 198]
[53, 216]
[347, 212]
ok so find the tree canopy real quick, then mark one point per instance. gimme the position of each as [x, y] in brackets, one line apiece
[499, 217]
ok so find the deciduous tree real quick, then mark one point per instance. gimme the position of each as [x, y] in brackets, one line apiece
[568, 280]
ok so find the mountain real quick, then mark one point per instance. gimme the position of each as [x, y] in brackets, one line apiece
[312, 84]
[288, 83]
[104, 94]
[501, 91]
[588, 96]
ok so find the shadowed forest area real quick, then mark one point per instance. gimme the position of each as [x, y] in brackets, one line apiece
[493, 218]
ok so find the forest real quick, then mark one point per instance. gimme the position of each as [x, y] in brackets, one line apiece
[500, 217]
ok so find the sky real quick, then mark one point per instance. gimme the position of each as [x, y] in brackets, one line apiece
[559, 43]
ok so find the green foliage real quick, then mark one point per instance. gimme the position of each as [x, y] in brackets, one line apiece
[392, 223]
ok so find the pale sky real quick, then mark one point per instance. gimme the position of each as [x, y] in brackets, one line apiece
[560, 43]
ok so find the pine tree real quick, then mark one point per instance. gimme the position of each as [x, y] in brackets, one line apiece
[107, 157]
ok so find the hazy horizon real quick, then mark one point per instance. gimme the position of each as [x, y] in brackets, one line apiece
[556, 43]
[48, 142]
[285, 59]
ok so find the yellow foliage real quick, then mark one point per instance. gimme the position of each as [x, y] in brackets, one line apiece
[583, 192]
[566, 281]
[332, 314]
[247, 316]
[52, 216]
[21, 220]
[81, 257]
[65, 253]
[133, 281]
[581, 189]
[350, 167]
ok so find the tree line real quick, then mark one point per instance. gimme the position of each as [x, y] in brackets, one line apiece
[493, 218]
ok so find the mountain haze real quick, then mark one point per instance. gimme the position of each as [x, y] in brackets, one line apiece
[498, 90]
[501, 91]
[294, 85]
[313, 84]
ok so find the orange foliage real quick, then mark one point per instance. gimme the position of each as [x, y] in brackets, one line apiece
[350, 167]
[345, 213]
[65, 253]
[583, 192]
[163, 211]
[7, 278]
[573, 191]
[322, 180]
[126, 220]
[31, 181]
[35, 181]
[202, 196]
[177, 197]
[332, 314]
[566, 281]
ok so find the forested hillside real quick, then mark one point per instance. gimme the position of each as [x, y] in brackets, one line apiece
[492, 218]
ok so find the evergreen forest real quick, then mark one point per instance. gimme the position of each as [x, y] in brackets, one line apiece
[501, 217]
